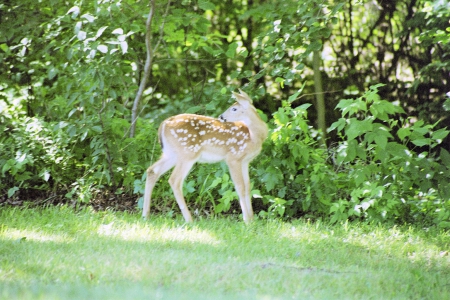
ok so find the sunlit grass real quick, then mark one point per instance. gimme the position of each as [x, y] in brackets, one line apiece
[56, 253]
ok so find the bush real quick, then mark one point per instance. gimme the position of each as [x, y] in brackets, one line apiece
[76, 158]
[393, 173]
[34, 155]
[383, 169]
[293, 169]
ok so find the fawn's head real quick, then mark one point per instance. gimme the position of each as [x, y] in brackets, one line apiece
[242, 110]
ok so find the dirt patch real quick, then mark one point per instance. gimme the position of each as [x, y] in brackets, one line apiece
[100, 200]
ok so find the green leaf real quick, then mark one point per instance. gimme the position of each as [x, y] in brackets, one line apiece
[213, 52]
[97, 129]
[52, 72]
[280, 81]
[300, 66]
[7, 166]
[421, 142]
[440, 134]
[271, 178]
[375, 87]
[315, 46]
[206, 5]
[269, 49]
[303, 107]
[219, 208]
[337, 8]
[445, 157]
[357, 128]
[340, 124]
[231, 52]
[444, 224]
[351, 150]
[381, 141]
[446, 105]
[397, 150]
[294, 96]
[351, 106]
[280, 117]
[4, 47]
[12, 191]
[382, 109]
[244, 53]
[347, 151]
[402, 133]
[380, 135]
[194, 109]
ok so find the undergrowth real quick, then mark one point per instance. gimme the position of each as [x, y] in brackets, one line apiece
[385, 168]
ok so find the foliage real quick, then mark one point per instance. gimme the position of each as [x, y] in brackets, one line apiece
[381, 170]
[391, 173]
[73, 157]
[69, 74]
[294, 172]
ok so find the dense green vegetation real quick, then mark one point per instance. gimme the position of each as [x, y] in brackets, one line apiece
[57, 253]
[354, 94]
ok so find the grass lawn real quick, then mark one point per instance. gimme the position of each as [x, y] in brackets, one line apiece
[56, 253]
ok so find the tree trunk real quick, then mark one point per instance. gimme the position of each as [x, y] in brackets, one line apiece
[147, 69]
[320, 99]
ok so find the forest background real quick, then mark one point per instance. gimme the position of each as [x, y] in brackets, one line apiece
[354, 93]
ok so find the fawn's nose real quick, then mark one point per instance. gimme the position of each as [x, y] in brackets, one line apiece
[221, 118]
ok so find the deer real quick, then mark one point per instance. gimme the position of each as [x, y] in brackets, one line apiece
[236, 138]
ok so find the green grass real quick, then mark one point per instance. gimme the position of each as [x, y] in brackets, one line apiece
[55, 253]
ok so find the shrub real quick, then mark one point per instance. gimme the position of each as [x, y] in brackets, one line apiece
[392, 172]
[383, 169]
[76, 157]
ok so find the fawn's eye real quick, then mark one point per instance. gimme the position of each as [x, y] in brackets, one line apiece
[234, 109]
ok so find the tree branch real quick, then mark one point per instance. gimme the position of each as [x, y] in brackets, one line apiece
[148, 61]
[147, 68]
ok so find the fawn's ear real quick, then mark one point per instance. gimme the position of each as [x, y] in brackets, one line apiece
[244, 94]
[243, 99]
